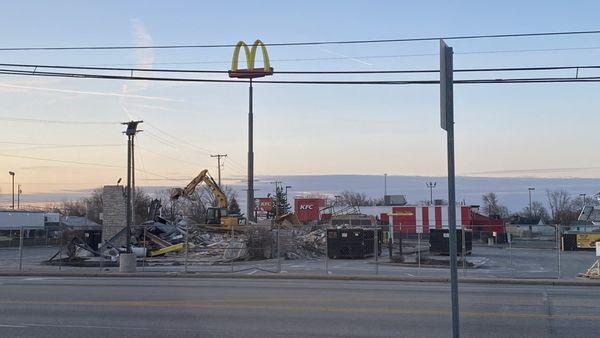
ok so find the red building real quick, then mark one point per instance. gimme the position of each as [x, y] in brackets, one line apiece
[308, 209]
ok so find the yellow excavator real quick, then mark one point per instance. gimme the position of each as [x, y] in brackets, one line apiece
[214, 215]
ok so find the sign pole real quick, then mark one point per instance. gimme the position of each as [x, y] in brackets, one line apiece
[447, 123]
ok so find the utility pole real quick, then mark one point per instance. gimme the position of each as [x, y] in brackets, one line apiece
[19, 191]
[431, 185]
[130, 132]
[447, 123]
[218, 156]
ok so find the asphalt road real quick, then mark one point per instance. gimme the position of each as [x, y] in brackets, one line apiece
[140, 307]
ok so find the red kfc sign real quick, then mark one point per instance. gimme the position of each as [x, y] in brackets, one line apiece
[264, 204]
[307, 209]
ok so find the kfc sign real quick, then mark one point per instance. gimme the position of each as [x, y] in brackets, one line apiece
[264, 204]
[308, 209]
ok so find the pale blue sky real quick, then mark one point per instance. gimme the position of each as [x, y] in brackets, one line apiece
[299, 129]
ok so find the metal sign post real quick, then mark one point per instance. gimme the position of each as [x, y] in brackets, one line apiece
[447, 123]
[419, 232]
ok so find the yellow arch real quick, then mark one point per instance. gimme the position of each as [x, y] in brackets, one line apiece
[266, 63]
[250, 54]
[236, 55]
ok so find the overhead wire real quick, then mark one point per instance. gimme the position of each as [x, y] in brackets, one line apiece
[310, 43]
[291, 72]
[308, 82]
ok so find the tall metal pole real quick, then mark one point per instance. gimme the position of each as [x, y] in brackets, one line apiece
[12, 174]
[384, 185]
[19, 196]
[132, 179]
[250, 191]
[447, 122]
[128, 193]
[530, 204]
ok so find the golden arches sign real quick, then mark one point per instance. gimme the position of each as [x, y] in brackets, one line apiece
[250, 53]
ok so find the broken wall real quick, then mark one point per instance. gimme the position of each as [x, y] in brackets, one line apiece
[114, 212]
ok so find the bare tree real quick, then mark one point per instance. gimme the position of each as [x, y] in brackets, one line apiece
[353, 198]
[561, 207]
[492, 206]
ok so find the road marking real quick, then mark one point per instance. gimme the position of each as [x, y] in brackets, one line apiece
[258, 304]
[252, 272]
[11, 325]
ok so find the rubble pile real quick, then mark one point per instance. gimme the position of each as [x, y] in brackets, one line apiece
[307, 244]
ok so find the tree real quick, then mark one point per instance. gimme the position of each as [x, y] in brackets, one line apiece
[492, 206]
[280, 203]
[561, 207]
[233, 208]
[538, 212]
[352, 198]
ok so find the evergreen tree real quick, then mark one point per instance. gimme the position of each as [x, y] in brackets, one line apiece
[233, 208]
[280, 203]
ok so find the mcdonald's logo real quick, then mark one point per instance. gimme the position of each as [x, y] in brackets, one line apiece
[250, 72]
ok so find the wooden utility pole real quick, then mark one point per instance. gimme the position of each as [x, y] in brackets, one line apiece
[218, 156]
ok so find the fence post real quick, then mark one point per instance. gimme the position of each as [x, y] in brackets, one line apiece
[278, 250]
[326, 251]
[231, 244]
[558, 249]
[187, 235]
[21, 249]
[376, 249]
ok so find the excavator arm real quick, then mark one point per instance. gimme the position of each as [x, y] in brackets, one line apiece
[205, 177]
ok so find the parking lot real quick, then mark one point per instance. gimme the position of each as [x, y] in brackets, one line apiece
[485, 261]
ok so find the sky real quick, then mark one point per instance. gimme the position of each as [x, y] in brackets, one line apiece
[64, 135]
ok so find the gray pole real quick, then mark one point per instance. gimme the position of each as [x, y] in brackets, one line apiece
[250, 191]
[384, 185]
[19, 197]
[132, 179]
[128, 192]
[530, 204]
[21, 249]
[13, 189]
[447, 121]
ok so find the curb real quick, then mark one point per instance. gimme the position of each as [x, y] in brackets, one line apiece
[285, 276]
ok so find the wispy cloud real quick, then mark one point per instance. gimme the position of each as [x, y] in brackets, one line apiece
[345, 56]
[144, 59]
[83, 92]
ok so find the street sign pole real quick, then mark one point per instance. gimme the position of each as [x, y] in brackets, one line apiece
[447, 123]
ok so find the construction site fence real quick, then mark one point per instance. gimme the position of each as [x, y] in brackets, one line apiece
[270, 248]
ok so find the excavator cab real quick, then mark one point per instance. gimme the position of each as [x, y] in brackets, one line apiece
[213, 215]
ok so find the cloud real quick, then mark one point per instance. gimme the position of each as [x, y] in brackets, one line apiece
[144, 59]
[7, 85]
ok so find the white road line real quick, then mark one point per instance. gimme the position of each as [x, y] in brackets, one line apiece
[252, 272]
[9, 325]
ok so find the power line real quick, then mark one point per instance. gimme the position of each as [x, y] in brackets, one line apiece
[366, 57]
[310, 82]
[319, 72]
[308, 43]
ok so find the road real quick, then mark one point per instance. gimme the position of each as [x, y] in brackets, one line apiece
[143, 307]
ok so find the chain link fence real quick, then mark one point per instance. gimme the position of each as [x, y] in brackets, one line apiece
[514, 252]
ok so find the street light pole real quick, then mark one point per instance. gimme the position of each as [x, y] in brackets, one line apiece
[19, 191]
[530, 189]
[583, 197]
[12, 173]
[384, 185]
[431, 185]
[250, 191]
